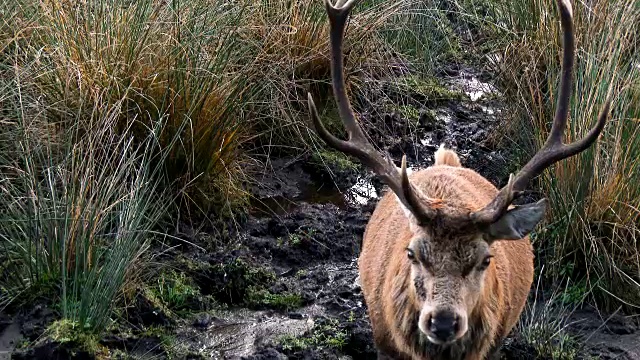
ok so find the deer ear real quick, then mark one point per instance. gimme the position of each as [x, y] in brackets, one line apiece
[517, 223]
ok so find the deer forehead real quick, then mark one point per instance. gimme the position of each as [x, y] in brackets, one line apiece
[456, 248]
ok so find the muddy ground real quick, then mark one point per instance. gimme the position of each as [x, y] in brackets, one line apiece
[284, 283]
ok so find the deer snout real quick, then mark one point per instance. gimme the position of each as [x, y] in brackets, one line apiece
[443, 326]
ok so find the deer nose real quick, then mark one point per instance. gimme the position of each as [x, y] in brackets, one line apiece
[444, 325]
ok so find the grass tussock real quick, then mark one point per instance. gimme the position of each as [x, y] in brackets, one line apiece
[163, 63]
[542, 331]
[289, 56]
[74, 226]
[595, 199]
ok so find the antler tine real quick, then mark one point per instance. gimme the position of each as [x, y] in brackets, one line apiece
[338, 16]
[566, 80]
[553, 149]
[357, 144]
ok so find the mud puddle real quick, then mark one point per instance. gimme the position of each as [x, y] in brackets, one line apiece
[10, 336]
[315, 191]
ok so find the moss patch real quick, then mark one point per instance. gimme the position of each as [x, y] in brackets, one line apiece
[235, 282]
[301, 236]
[259, 298]
[326, 334]
[176, 291]
[334, 160]
[408, 112]
[69, 334]
[430, 89]
[231, 280]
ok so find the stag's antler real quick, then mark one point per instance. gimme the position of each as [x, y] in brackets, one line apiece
[553, 149]
[425, 209]
[357, 144]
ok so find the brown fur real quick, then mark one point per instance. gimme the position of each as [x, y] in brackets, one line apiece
[385, 270]
[446, 157]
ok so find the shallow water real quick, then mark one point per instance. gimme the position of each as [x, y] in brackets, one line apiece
[10, 336]
[317, 193]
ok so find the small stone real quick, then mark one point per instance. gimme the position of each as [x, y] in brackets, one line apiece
[296, 315]
[203, 321]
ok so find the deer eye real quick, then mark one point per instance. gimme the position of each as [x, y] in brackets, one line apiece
[411, 255]
[485, 263]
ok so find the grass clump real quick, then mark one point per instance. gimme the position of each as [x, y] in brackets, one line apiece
[176, 291]
[163, 63]
[73, 227]
[289, 56]
[543, 327]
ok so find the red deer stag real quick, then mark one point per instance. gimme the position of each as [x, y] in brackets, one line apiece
[446, 262]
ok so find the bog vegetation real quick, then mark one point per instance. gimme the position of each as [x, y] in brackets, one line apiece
[120, 118]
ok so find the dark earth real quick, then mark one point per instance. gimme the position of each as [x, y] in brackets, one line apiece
[282, 282]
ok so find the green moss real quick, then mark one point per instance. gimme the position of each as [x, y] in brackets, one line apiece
[229, 282]
[297, 238]
[408, 112]
[69, 332]
[237, 283]
[326, 335]
[430, 88]
[264, 298]
[175, 290]
[335, 160]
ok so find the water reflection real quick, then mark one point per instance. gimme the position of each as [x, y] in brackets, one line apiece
[475, 88]
[316, 193]
[361, 192]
